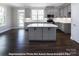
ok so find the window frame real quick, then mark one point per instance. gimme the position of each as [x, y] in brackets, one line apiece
[3, 15]
[20, 13]
[38, 14]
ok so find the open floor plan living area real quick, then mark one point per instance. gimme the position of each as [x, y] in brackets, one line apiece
[32, 29]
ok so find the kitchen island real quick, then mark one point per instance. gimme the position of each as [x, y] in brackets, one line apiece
[41, 31]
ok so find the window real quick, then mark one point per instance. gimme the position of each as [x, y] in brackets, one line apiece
[2, 16]
[20, 17]
[37, 14]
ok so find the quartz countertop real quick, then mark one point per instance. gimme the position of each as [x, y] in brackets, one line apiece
[41, 25]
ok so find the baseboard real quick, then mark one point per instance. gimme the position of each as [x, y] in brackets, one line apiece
[10, 29]
[5, 30]
[75, 40]
[17, 28]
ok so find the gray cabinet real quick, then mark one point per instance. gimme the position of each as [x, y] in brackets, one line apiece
[35, 34]
[42, 33]
[49, 33]
[64, 10]
[45, 34]
[52, 36]
[65, 27]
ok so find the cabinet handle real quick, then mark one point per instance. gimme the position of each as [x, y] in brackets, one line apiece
[49, 29]
[34, 29]
[74, 24]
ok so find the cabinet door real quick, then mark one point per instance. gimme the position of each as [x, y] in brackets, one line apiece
[45, 33]
[59, 25]
[67, 28]
[38, 33]
[62, 26]
[31, 34]
[49, 33]
[52, 33]
[35, 34]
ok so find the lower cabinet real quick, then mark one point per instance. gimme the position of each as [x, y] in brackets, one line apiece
[42, 33]
[45, 34]
[35, 34]
[49, 33]
[65, 27]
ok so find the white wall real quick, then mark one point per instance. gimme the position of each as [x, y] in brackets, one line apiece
[8, 20]
[75, 21]
[14, 17]
[11, 19]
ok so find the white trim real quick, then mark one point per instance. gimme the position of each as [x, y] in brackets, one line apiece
[73, 39]
[5, 30]
[17, 27]
[10, 29]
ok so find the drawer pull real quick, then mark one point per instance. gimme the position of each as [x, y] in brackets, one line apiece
[34, 29]
[49, 28]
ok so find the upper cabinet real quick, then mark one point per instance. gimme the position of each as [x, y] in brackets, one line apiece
[59, 11]
[27, 13]
[69, 8]
[65, 10]
[52, 11]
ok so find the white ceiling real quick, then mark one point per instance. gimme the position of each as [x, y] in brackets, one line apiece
[33, 4]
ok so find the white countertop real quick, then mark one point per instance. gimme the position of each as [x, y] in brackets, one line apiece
[41, 25]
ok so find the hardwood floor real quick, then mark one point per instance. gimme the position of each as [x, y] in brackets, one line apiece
[16, 41]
